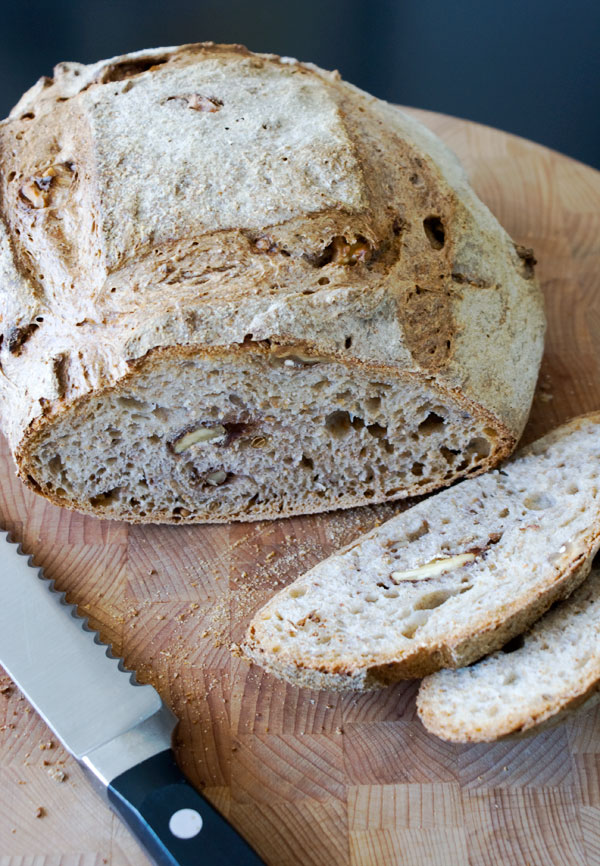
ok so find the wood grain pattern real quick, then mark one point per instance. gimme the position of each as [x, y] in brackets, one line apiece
[313, 778]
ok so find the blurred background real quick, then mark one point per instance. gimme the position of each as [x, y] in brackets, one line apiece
[531, 67]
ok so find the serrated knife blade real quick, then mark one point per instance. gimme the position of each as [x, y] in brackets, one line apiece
[119, 730]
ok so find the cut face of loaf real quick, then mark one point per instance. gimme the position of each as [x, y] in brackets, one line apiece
[555, 669]
[447, 581]
[253, 434]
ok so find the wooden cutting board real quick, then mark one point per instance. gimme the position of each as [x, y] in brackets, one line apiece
[314, 778]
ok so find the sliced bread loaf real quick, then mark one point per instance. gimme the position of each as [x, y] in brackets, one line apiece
[447, 581]
[233, 286]
[554, 671]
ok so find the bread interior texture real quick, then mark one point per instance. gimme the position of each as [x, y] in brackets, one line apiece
[255, 433]
[447, 581]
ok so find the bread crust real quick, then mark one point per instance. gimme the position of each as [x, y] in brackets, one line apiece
[98, 278]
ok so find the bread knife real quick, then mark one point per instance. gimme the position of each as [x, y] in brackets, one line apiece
[118, 730]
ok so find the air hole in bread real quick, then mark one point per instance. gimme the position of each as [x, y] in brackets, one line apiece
[434, 230]
[572, 489]
[55, 464]
[449, 454]
[376, 430]
[307, 462]
[105, 498]
[478, 447]
[432, 424]
[129, 68]
[409, 631]
[342, 252]
[373, 403]
[417, 468]
[433, 599]
[338, 423]
[131, 403]
[423, 529]
[347, 342]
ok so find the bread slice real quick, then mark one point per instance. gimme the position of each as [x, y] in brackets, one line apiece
[554, 670]
[233, 286]
[447, 581]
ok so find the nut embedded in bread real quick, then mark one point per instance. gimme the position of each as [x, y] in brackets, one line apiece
[201, 238]
[554, 670]
[447, 581]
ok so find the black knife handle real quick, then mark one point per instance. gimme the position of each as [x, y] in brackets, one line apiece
[174, 823]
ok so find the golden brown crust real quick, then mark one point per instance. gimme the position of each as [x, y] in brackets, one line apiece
[355, 233]
[534, 724]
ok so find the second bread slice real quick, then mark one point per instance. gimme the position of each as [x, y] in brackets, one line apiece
[447, 581]
[556, 670]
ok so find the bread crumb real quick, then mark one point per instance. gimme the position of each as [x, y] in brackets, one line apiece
[57, 774]
[40, 812]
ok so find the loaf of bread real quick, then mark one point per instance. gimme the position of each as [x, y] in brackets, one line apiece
[235, 287]
[553, 670]
[447, 581]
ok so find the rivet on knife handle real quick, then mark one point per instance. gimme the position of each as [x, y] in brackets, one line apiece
[176, 825]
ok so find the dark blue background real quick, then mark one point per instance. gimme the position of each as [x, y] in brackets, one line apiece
[530, 67]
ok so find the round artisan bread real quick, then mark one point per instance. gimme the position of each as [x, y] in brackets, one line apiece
[234, 286]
